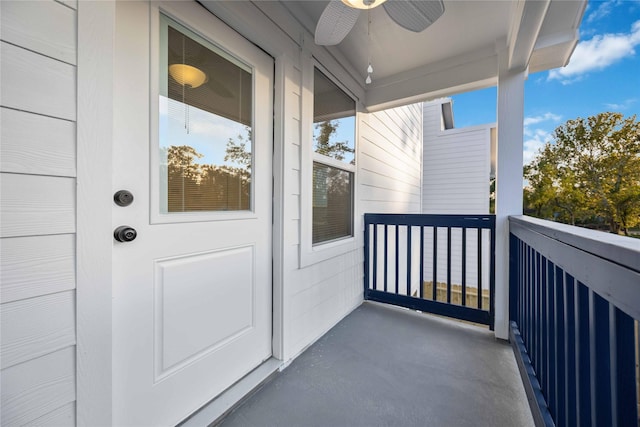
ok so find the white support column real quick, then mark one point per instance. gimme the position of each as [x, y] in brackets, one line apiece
[510, 117]
[96, 20]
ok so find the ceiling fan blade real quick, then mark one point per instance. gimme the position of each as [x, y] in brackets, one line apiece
[414, 15]
[335, 23]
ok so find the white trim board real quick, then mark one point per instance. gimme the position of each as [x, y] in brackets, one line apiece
[96, 22]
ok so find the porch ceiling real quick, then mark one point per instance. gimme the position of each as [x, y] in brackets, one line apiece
[456, 53]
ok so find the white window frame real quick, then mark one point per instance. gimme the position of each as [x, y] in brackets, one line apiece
[309, 253]
[159, 23]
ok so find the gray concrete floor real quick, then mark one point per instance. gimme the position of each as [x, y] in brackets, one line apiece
[385, 366]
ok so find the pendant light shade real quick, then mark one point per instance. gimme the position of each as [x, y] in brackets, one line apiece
[186, 75]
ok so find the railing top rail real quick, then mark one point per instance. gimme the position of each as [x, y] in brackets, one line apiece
[469, 221]
[620, 250]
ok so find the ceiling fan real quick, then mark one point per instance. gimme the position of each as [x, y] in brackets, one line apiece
[339, 17]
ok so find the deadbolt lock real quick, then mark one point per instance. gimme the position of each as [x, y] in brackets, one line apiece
[123, 198]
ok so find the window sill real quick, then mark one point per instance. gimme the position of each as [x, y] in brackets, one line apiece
[310, 255]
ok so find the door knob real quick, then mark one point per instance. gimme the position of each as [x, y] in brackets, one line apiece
[124, 233]
[123, 198]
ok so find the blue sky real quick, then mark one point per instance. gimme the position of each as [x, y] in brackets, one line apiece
[603, 75]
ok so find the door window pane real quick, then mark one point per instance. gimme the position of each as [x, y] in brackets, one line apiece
[332, 206]
[205, 134]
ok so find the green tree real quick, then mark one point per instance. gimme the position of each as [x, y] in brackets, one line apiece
[237, 152]
[181, 161]
[194, 186]
[592, 171]
[324, 146]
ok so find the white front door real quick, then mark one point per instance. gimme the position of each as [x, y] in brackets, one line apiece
[193, 146]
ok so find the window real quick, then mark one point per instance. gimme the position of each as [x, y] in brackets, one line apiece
[205, 125]
[334, 124]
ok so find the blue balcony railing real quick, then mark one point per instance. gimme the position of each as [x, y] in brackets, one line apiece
[442, 264]
[574, 305]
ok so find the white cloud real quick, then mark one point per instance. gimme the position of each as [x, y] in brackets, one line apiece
[211, 128]
[536, 136]
[621, 106]
[598, 53]
[528, 121]
[603, 10]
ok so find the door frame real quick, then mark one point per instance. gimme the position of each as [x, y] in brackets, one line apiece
[94, 238]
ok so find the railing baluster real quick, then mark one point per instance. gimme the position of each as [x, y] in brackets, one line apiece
[435, 264]
[375, 256]
[583, 369]
[397, 263]
[570, 351]
[553, 368]
[539, 311]
[409, 260]
[544, 325]
[525, 290]
[560, 355]
[535, 332]
[613, 374]
[523, 276]
[480, 268]
[529, 316]
[449, 265]
[367, 258]
[421, 262]
[386, 253]
[532, 305]
[492, 273]
[600, 361]
[626, 408]
[464, 266]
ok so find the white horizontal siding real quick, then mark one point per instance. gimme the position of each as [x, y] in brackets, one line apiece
[37, 83]
[382, 167]
[36, 326]
[35, 144]
[382, 180]
[327, 291]
[332, 301]
[64, 416]
[35, 388]
[37, 265]
[44, 27]
[390, 161]
[456, 168]
[37, 204]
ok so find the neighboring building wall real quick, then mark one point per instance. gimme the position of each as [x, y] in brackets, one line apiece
[389, 163]
[456, 172]
[456, 166]
[38, 165]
